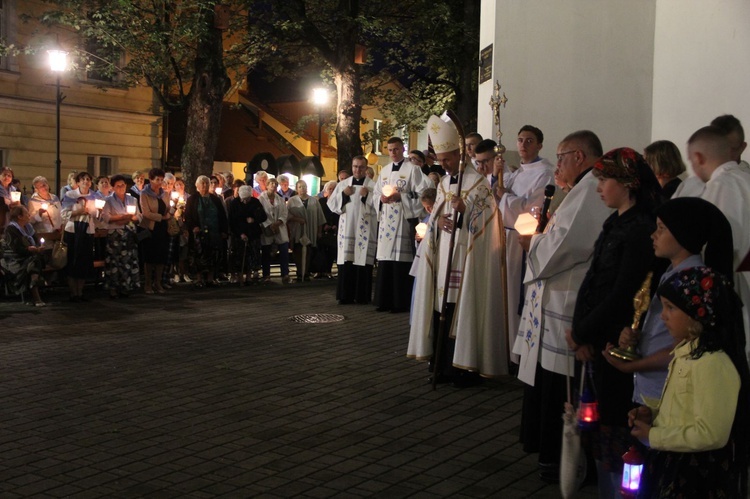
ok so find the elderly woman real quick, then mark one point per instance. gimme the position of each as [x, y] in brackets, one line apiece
[79, 212]
[22, 260]
[261, 178]
[306, 220]
[155, 209]
[121, 260]
[245, 216]
[45, 209]
[69, 185]
[328, 245]
[274, 232]
[206, 222]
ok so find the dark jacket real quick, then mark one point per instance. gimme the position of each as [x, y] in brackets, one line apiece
[623, 256]
[192, 217]
[238, 214]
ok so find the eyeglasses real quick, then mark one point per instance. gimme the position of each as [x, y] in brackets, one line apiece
[561, 155]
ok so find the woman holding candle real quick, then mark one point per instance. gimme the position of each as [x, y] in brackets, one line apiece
[155, 209]
[6, 193]
[274, 232]
[22, 259]
[121, 261]
[208, 227]
[79, 212]
[44, 208]
[184, 237]
[623, 256]
[306, 220]
[698, 434]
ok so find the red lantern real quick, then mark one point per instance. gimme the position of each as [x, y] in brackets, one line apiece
[588, 409]
[631, 473]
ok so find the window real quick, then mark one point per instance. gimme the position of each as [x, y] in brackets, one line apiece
[377, 144]
[103, 63]
[97, 166]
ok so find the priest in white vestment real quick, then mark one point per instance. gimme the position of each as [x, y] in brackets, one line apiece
[523, 190]
[557, 262]
[357, 234]
[396, 200]
[475, 340]
[728, 188]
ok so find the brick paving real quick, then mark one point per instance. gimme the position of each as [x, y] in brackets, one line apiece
[215, 393]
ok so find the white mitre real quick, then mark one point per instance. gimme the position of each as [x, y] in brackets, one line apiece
[443, 135]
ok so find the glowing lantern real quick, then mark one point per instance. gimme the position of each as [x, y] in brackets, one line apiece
[218, 191]
[526, 224]
[15, 196]
[631, 473]
[388, 190]
[421, 229]
[99, 203]
[130, 209]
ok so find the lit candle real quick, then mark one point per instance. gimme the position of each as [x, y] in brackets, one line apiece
[171, 203]
[45, 206]
[41, 241]
[99, 203]
[631, 474]
[388, 190]
[181, 200]
[175, 194]
[218, 191]
[130, 209]
[421, 229]
[526, 224]
[15, 196]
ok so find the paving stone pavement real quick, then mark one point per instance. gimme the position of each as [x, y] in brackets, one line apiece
[216, 393]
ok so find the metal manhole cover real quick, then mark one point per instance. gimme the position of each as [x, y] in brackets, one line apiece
[316, 318]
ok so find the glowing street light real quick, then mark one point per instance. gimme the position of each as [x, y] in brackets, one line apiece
[320, 99]
[58, 62]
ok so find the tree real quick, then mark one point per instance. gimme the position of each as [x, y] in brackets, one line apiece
[434, 58]
[171, 46]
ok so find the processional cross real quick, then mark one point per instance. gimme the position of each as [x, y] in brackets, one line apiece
[496, 101]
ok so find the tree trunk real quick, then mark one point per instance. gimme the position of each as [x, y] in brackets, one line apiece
[349, 109]
[204, 106]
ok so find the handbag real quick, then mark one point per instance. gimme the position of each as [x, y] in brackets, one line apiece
[173, 226]
[270, 230]
[59, 257]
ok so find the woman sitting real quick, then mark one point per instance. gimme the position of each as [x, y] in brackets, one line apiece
[22, 260]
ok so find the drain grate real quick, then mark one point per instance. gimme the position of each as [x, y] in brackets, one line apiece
[316, 318]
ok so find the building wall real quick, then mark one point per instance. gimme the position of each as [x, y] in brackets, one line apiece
[570, 65]
[701, 66]
[94, 122]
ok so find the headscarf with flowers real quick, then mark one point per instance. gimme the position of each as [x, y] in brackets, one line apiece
[630, 169]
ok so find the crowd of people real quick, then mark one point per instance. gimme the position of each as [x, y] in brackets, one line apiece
[485, 299]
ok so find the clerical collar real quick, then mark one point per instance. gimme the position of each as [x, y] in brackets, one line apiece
[454, 180]
[360, 181]
[583, 174]
[397, 166]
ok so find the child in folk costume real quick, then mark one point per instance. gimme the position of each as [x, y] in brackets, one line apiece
[697, 434]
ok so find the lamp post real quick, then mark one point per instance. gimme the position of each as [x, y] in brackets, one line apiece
[320, 99]
[58, 62]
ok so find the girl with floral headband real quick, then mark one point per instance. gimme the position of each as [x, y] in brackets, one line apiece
[623, 256]
[698, 433]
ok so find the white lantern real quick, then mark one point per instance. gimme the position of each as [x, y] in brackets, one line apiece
[45, 206]
[15, 196]
[99, 203]
[175, 194]
[526, 224]
[421, 229]
[130, 209]
[388, 190]
[218, 191]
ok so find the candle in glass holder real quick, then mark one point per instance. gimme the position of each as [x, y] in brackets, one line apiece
[130, 209]
[526, 224]
[99, 203]
[15, 196]
[181, 199]
[388, 190]
[45, 206]
[218, 191]
[421, 229]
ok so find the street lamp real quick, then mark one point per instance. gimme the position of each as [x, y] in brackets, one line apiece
[320, 99]
[58, 62]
